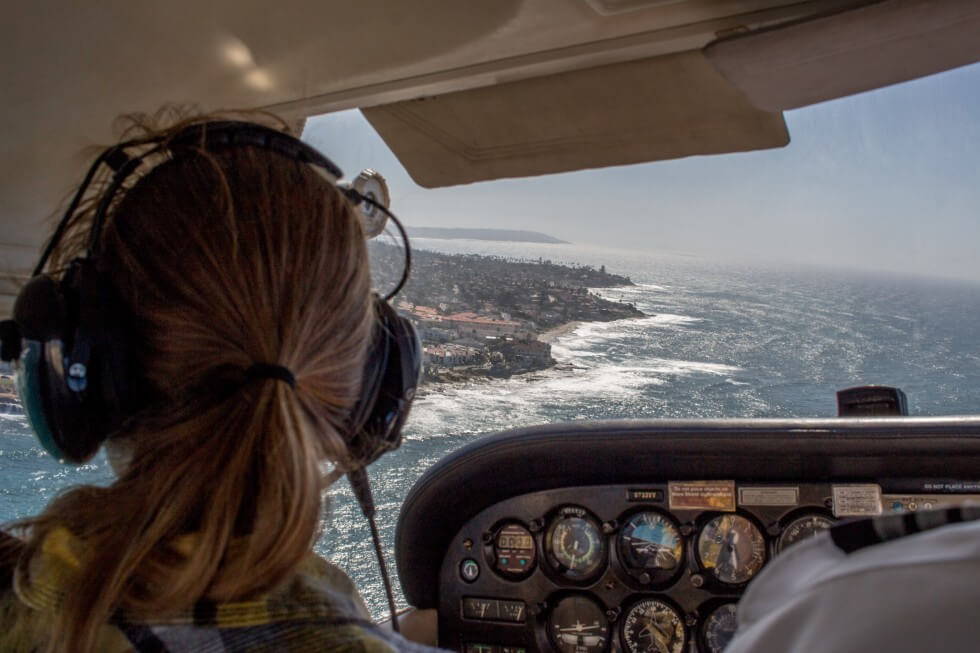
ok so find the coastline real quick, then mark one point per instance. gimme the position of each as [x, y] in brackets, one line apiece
[9, 401]
[10, 404]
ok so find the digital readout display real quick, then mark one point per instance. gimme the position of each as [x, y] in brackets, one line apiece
[505, 541]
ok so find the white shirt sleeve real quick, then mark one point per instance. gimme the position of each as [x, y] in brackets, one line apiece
[918, 593]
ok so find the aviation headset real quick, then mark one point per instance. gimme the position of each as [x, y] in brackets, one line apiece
[70, 339]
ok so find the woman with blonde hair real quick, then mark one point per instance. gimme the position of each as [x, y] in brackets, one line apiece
[205, 309]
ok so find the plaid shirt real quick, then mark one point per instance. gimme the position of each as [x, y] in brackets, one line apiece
[319, 609]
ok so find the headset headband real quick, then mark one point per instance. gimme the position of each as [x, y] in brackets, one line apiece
[208, 135]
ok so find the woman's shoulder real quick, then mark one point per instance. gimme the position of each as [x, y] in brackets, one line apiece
[16, 631]
[318, 608]
[22, 627]
[13, 614]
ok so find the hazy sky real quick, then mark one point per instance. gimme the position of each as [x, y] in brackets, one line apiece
[888, 179]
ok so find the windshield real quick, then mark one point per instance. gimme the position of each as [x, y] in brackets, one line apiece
[742, 285]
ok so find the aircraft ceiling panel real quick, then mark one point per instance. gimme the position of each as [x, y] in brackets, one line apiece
[658, 108]
[850, 52]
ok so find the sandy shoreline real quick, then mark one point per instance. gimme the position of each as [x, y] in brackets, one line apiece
[551, 335]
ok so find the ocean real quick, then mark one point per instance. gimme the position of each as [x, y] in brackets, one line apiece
[720, 340]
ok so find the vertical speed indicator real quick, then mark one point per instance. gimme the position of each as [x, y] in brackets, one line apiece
[719, 628]
[802, 528]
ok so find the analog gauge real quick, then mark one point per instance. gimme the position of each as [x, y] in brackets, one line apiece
[574, 543]
[719, 628]
[650, 547]
[513, 549]
[578, 625]
[731, 548]
[652, 626]
[801, 528]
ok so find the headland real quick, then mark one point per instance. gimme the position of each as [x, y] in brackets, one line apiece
[501, 235]
[494, 317]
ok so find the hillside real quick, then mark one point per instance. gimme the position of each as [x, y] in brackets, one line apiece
[508, 235]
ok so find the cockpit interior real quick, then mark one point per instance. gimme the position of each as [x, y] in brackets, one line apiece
[583, 536]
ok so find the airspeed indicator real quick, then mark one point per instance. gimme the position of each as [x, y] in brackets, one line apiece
[574, 543]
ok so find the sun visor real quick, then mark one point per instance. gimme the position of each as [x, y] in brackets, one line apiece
[646, 110]
[850, 52]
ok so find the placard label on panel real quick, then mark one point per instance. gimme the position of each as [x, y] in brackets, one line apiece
[769, 496]
[635, 495]
[913, 502]
[951, 486]
[702, 495]
[857, 500]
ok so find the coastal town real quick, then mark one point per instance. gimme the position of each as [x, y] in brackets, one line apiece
[488, 316]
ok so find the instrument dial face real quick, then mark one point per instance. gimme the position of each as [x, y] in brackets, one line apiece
[578, 625]
[653, 626]
[575, 544]
[802, 528]
[514, 552]
[651, 544]
[719, 628]
[731, 548]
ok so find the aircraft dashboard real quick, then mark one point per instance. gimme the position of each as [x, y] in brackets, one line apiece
[642, 535]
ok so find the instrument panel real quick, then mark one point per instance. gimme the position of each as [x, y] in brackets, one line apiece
[655, 568]
[642, 535]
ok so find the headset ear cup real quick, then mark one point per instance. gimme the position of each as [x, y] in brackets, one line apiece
[72, 378]
[399, 382]
[96, 407]
[391, 376]
[40, 313]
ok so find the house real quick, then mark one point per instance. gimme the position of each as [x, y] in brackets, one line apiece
[478, 326]
[452, 355]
